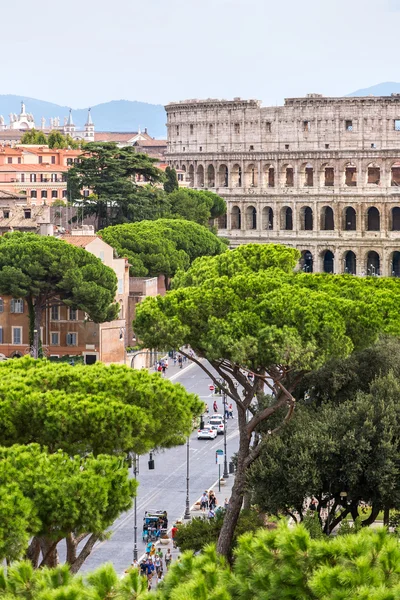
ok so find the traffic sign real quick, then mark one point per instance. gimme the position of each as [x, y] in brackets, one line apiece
[211, 387]
[219, 457]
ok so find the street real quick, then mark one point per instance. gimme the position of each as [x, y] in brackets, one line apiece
[164, 488]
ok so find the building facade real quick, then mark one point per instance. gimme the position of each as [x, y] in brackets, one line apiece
[320, 174]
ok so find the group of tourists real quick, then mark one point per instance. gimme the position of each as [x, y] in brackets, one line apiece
[209, 502]
[152, 566]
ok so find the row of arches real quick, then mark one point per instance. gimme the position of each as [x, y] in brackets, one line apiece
[306, 215]
[288, 175]
[370, 263]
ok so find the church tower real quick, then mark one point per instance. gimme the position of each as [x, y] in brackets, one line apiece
[69, 127]
[89, 128]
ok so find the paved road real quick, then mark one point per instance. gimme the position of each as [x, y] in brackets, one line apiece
[165, 486]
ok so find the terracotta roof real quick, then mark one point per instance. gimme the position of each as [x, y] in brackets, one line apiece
[9, 196]
[150, 143]
[79, 240]
[44, 167]
[12, 134]
[109, 136]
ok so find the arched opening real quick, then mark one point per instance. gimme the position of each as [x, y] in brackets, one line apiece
[373, 175]
[183, 168]
[251, 217]
[328, 262]
[236, 218]
[200, 176]
[373, 263]
[395, 174]
[306, 218]
[350, 263]
[306, 261]
[395, 264]
[289, 176]
[327, 219]
[350, 219]
[395, 219]
[286, 218]
[223, 176]
[328, 176]
[210, 176]
[267, 218]
[236, 176]
[373, 219]
[269, 176]
[251, 176]
[223, 222]
[308, 175]
[191, 175]
[350, 175]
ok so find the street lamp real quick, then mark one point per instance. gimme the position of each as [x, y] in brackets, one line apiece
[187, 509]
[226, 474]
[135, 466]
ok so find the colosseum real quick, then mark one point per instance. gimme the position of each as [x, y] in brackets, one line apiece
[320, 174]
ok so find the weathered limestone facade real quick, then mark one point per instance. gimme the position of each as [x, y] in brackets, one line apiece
[321, 174]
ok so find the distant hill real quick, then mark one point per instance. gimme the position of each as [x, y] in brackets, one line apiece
[117, 115]
[380, 89]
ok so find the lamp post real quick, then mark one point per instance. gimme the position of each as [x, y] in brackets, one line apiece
[226, 474]
[187, 509]
[135, 466]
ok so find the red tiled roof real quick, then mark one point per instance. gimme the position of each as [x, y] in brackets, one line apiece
[150, 143]
[109, 136]
[79, 240]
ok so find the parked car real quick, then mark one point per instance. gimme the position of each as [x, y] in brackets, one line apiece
[218, 423]
[208, 433]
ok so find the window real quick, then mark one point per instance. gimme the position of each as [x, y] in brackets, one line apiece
[27, 213]
[40, 160]
[69, 162]
[101, 255]
[72, 314]
[63, 177]
[326, 146]
[201, 149]
[54, 193]
[17, 305]
[53, 177]
[53, 160]
[210, 129]
[191, 129]
[33, 194]
[237, 128]
[1, 305]
[6, 214]
[222, 148]
[183, 149]
[177, 129]
[251, 147]
[22, 177]
[268, 126]
[1, 335]
[120, 286]
[348, 125]
[9, 160]
[19, 160]
[55, 338]
[286, 146]
[72, 339]
[86, 193]
[397, 124]
[64, 193]
[55, 313]
[306, 126]
[16, 335]
[44, 194]
[32, 177]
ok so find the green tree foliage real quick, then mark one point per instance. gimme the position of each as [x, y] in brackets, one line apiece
[34, 137]
[196, 205]
[110, 173]
[248, 311]
[73, 497]
[171, 181]
[162, 247]
[17, 518]
[56, 139]
[46, 270]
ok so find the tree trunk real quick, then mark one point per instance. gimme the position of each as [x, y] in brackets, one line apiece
[224, 545]
[49, 552]
[33, 552]
[31, 312]
[372, 517]
[36, 331]
[86, 550]
[247, 500]
[386, 516]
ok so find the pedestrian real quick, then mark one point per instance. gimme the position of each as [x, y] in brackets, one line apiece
[212, 501]
[152, 551]
[159, 368]
[313, 504]
[157, 564]
[164, 368]
[180, 361]
[148, 548]
[175, 359]
[168, 559]
[226, 503]
[173, 534]
[204, 502]
[230, 411]
[215, 406]
[211, 513]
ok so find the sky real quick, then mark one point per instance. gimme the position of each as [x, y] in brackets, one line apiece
[83, 52]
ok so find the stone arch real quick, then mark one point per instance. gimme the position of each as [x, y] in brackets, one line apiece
[373, 263]
[373, 174]
[306, 218]
[306, 175]
[287, 176]
[306, 261]
[395, 174]
[191, 175]
[236, 176]
[251, 217]
[210, 176]
[267, 218]
[327, 175]
[350, 263]
[286, 220]
[223, 221]
[328, 261]
[349, 219]
[373, 219]
[350, 174]
[395, 219]
[200, 176]
[183, 168]
[269, 176]
[327, 219]
[395, 263]
[236, 218]
[251, 175]
[223, 176]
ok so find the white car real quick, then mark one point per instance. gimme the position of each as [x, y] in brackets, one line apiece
[208, 433]
[218, 423]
